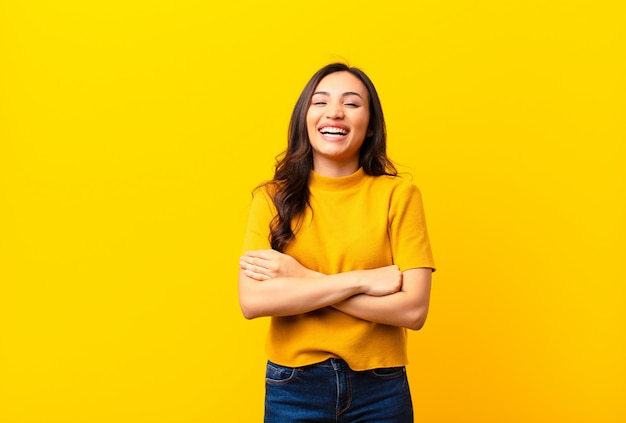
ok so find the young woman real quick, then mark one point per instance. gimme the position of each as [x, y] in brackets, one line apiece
[337, 253]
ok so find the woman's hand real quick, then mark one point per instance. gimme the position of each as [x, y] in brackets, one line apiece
[262, 265]
[406, 308]
[381, 281]
[276, 284]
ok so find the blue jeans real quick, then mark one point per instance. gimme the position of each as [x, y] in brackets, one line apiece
[331, 392]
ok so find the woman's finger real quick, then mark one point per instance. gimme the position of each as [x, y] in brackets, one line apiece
[255, 276]
[255, 261]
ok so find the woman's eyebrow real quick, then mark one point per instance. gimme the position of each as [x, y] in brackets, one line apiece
[346, 94]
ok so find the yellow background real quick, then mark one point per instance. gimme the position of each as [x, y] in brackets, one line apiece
[131, 135]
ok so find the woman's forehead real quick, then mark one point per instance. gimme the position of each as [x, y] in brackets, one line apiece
[341, 83]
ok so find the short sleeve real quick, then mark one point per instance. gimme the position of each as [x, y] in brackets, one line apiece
[407, 229]
[262, 211]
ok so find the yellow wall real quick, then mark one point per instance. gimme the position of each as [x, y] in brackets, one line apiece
[131, 134]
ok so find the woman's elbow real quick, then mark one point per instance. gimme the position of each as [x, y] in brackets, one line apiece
[248, 300]
[417, 319]
[249, 311]
[417, 324]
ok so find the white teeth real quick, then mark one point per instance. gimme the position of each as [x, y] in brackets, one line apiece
[330, 130]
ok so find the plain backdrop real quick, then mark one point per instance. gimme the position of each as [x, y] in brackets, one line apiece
[132, 134]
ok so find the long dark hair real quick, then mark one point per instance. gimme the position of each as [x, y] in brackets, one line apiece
[290, 191]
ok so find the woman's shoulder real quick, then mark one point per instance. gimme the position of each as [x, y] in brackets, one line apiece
[399, 184]
[265, 189]
[263, 195]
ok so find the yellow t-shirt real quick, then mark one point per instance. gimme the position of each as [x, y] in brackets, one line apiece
[355, 222]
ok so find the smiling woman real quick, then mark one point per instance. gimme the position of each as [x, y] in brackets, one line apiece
[337, 253]
[337, 123]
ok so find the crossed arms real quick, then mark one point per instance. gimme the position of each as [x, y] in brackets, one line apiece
[276, 284]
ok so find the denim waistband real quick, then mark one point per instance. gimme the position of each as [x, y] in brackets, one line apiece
[337, 364]
[332, 363]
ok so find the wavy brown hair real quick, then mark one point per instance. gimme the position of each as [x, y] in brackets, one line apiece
[290, 185]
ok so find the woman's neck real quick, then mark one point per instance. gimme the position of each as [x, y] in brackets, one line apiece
[335, 169]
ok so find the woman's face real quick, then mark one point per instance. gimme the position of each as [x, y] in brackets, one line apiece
[337, 122]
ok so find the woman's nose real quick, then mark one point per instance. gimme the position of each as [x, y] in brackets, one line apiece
[335, 111]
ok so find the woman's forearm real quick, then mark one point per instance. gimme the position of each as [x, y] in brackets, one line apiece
[407, 308]
[286, 296]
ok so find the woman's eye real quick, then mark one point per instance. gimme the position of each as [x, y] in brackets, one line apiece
[319, 103]
[352, 104]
